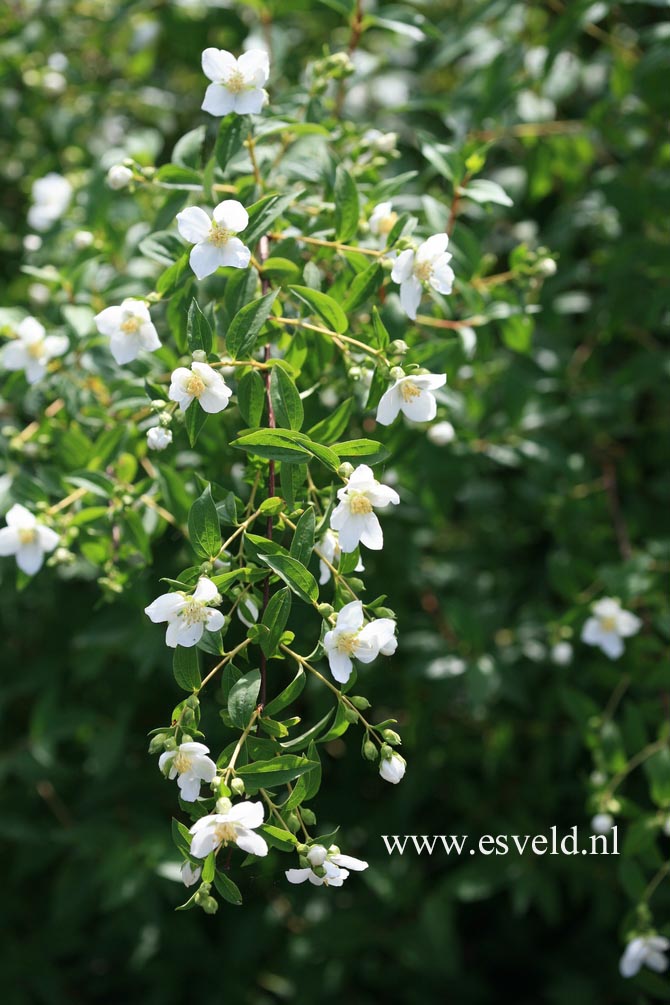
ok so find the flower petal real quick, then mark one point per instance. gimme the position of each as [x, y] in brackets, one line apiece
[389, 405]
[410, 296]
[218, 63]
[29, 558]
[193, 224]
[165, 607]
[251, 842]
[255, 66]
[218, 100]
[205, 259]
[231, 215]
[250, 102]
[297, 875]
[247, 814]
[372, 536]
[340, 666]
[403, 266]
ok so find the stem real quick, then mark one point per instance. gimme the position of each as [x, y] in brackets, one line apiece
[336, 337]
[322, 243]
[263, 252]
[226, 659]
[635, 762]
[617, 695]
[240, 743]
[64, 503]
[616, 513]
[240, 530]
[654, 883]
[354, 39]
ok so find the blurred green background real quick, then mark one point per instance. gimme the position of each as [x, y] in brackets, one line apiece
[553, 492]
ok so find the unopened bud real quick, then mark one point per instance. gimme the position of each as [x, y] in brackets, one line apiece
[369, 751]
[392, 737]
[199, 356]
[398, 347]
[293, 822]
[359, 702]
[386, 751]
[209, 905]
[326, 610]
[345, 470]
[157, 743]
[350, 714]
[237, 786]
[308, 816]
[223, 805]
[119, 176]
[397, 372]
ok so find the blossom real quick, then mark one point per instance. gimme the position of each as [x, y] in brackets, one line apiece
[561, 654]
[427, 265]
[609, 626]
[51, 197]
[129, 329]
[32, 349]
[382, 220]
[412, 396]
[159, 438]
[392, 768]
[119, 176]
[201, 383]
[190, 765]
[329, 549]
[645, 951]
[441, 433]
[384, 142]
[237, 84]
[351, 638]
[214, 242]
[82, 239]
[190, 874]
[602, 823]
[333, 868]
[187, 615]
[26, 539]
[354, 517]
[235, 826]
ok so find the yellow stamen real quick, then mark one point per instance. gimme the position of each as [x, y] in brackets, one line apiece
[218, 235]
[346, 643]
[195, 385]
[359, 504]
[409, 391]
[182, 762]
[423, 271]
[36, 349]
[27, 535]
[225, 832]
[608, 624]
[386, 224]
[130, 325]
[236, 82]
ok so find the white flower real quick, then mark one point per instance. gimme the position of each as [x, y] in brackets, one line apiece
[51, 197]
[382, 220]
[32, 349]
[645, 951]
[329, 548]
[202, 383]
[351, 638]
[129, 329]
[384, 142]
[237, 84]
[214, 241]
[32, 242]
[412, 396]
[159, 438]
[441, 433]
[190, 765]
[561, 654]
[187, 614]
[609, 626]
[248, 611]
[392, 769]
[427, 265]
[82, 239]
[333, 868]
[119, 176]
[190, 874]
[354, 517]
[26, 539]
[602, 823]
[236, 826]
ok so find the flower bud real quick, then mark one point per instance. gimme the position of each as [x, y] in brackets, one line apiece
[345, 470]
[237, 786]
[546, 267]
[326, 610]
[397, 372]
[199, 356]
[308, 816]
[119, 176]
[223, 805]
[293, 822]
[316, 855]
[157, 743]
[209, 905]
[391, 737]
[398, 347]
[82, 239]
[350, 714]
[369, 751]
[359, 702]
[170, 743]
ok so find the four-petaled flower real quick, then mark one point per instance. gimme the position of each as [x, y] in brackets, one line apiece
[609, 625]
[51, 197]
[354, 517]
[428, 265]
[235, 826]
[32, 349]
[351, 639]
[190, 765]
[327, 867]
[329, 549]
[237, 84]
[129, 329]
[382, 220]
[202, 384]
[214, 241]
[645, 951]
[412, 396]
[392, 768]
[187, 614]
[26, 539]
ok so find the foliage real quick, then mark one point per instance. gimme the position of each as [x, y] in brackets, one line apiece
[533, 135]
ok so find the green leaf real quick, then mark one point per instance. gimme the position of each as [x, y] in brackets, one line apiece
[243, 698]
[203, 526]
[328, 429]
[382, 336]
[181, 837]
[657, 769]
[277, 771]
[372, 451]
[364, 285]
[175, 174]
[327, 308]
[273, 444]
[277, 837]
[187, 149]
[483, 191]
[517, 332]
[230, 138]
[251, 397]
[194, 419]
[288, 695]
[346, 205]
[186, 668]
[300, 742]
[340, 726]
[227, 889]
[264, 213]
[247, 324]
[303, 537]
[174, 276]
[163, 247]
[274, 620]
[281, 269]
[198, 329]
[299, 579]
[286, 402]
[308, 784]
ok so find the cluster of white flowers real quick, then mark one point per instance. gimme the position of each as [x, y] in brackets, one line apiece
[327, 867]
